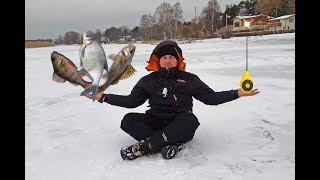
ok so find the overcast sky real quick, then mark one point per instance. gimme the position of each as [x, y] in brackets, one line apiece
[51, 18]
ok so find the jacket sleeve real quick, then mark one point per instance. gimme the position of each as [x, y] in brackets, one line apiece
[136, 98]
[205, 94]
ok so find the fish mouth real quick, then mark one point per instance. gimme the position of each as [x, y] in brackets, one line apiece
[129, 50]
[55, 59]
[127, 53]
[53, 56]
[57, 62]
[87, 37]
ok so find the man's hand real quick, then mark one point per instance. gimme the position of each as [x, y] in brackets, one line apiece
[251, 93]
[98, 95]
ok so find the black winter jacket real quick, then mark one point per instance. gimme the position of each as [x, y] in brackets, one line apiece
[181, 87]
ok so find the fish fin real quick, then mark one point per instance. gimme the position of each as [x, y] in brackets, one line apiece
[81, 53]
[105, 75]
[112, 56]
[57, 78]
[127, 73]
[82, 72]
[115, 82]
[105, 66]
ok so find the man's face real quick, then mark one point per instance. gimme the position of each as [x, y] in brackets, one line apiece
[168, 61]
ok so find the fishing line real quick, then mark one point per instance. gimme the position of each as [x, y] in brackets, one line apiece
[246, 82]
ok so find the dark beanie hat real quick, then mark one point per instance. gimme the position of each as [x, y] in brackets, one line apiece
[167, 50]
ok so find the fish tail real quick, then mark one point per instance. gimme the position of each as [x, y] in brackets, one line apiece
[93, 88]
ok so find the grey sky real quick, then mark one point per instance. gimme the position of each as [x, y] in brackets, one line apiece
[51, 18]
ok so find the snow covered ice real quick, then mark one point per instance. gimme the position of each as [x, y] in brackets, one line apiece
[68, 137]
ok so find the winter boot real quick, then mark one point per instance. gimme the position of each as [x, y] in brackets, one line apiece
[169, 151]
[134, 151]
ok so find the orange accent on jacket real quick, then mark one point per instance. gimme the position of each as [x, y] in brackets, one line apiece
[154, 62]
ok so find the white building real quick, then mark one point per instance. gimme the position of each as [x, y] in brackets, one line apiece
[287, 22]
[257, 22]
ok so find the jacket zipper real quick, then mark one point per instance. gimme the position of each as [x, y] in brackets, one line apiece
[174, 94]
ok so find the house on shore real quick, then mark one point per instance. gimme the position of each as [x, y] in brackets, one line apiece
[286, 22]
[256, 22]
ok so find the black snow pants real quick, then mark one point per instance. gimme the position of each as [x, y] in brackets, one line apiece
[161, 130]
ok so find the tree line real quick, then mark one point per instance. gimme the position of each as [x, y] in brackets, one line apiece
[167, 21]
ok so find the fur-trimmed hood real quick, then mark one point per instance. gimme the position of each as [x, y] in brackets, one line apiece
[153, 63]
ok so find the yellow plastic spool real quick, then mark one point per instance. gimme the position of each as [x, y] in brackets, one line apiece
[246, 82]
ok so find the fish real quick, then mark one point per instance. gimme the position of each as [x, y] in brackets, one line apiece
[121, 67]
[92, 61]
[65, 70]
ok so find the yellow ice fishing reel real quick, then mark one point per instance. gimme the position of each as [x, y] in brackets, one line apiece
[246, 82]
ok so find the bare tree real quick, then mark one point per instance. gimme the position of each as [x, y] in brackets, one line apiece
[167, 17]
[197, 28]
[211, 17]
[177, 11]
[264, 6]
[275, 8]
[163, 18]
[292, 6]
[147, 21]
[72, 37]
[186, 31]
